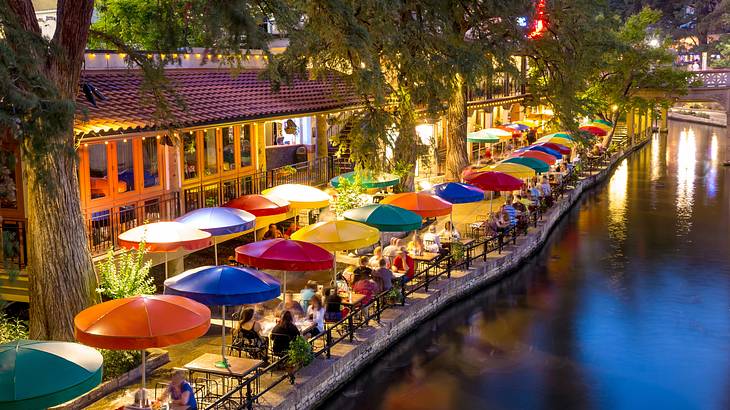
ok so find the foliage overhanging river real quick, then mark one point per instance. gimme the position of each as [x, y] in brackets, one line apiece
[627, 306]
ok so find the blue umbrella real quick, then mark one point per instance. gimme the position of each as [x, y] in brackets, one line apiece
[219, 221]
[540, 148]
[519, 127]
[458, 193]
[224, 285]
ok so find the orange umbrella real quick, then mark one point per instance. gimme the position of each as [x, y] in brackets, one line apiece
[544, 157]
[424, 204]
[141, 322]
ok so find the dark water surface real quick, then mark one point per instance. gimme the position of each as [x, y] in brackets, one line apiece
[627, 307]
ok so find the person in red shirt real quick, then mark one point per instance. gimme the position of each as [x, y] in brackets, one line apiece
[403, 263]
[365, 285]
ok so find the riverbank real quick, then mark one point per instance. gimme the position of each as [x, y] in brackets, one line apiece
[713, 118]
[325, 376]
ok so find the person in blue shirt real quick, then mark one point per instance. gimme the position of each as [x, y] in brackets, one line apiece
[307, 293]
[180, 392]
[511, 212]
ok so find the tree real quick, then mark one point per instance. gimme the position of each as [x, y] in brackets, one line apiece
[39, 80]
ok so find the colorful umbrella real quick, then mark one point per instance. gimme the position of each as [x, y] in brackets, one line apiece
[284, 254]
[515, 170]
[560, 135]
[494, 181]
[259, 205]
[338, 235]
[568, 142]
[519, 127]
[222, 286]
[536, 164]
[141, 322]
[165, 237]
[300, 196]
[529, 123]
[555, 147]
[538, 155]
[594, 130]
[458, 193]
[424, 204]
[601, 126]
[544, 150]
[604, 122]
[219, 221]
[385, 218]
[482, 137]
[367, 180]
[40, 374]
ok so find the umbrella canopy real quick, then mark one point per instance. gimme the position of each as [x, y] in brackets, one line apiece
[515, 170]
[300, 196]
[568, 142]
[594, 130]
[219, 221]
[538, 155]
[555, 147]
[482, 137]
[424, 204]
[367, 180]
[560, 135]
[259, 205]
[458, 193]
[500, 133]
[529, 123]
[338, 235]
[544, 150]
[166, 236]
[141, 322]
[519, 127]
[533, 163]
[224, 285]
[494, 181]
[604, 122]
[385, 218]
[284, 254]
[41, 374]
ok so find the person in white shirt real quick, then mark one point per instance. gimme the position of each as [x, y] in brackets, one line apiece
[391, 250]
[374, 262]
[431, 240]
[315, 313]
[450, 232]
[545, 187]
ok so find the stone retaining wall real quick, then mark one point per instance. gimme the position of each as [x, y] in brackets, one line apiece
[319, 386]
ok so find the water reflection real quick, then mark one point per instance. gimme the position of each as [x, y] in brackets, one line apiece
[686, 163]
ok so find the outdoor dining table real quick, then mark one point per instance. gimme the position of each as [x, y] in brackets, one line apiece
[352, 299]
[267, 325]
[238, 368]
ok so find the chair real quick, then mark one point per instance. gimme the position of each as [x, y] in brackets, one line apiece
[279, 344]
[250, 343]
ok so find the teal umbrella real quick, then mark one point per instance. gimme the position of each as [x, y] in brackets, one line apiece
[533, 163]
[368, 180]
[386, 218]
[482, 137]
[604, 122]
[41, 374]
[559, 135]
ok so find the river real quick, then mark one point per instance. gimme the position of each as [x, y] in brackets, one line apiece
[626, 307]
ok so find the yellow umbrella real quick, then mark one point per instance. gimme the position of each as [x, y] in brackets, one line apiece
[300, 196]
[529, 123]
[558, 140]
[338, 235]
[515, 170]
[600, 125]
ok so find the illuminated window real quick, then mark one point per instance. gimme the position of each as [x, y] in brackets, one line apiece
[98, 171]
[246, 131]
[150, 162]
[210, 152]
[190, 155]
[125, 167]
[229, 149]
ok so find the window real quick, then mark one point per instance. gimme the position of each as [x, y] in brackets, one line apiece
[98, 171]
[8, 183]
[229, 149]
[246, 131]
[150, 162]
[125, 167]
[190, 155]
[210, 152]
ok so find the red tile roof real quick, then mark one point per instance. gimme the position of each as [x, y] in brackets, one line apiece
[211, 95]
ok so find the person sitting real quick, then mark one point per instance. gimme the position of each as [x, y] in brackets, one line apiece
[289, 305]
[315, 313]
[309, 290]
[519, 204]
[341, 282]
[283, 333]
[273, 232]
[293, 227]
[403, 263]
[383, 276]
[546, 191]
[449, 232]
[366, 286]
[374, 262]
[180, 393]
[362, 269]
[333, 309]
[391, 250]
[416, 245]
[510, 211]
[432, 240]
[248, 323]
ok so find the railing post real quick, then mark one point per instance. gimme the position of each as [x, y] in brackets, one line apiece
[427, 269]
[351, 325]
[403, 290]
[328, 341]
[249, 399]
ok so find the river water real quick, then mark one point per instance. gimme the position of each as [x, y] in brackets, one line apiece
[626, 307]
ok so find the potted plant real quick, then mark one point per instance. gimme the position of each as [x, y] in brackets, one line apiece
[458, 251]
[299, 355]
[394, 296]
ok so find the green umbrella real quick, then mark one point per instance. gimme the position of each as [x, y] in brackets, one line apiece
[386, 218]
[559, 135]
[368, 180]
[604, 122]
[41, 374]
[533, 163]
[482, 137]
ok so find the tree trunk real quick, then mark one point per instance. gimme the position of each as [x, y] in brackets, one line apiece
[456, 153]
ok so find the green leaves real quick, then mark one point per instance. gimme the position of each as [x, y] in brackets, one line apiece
[125, 274]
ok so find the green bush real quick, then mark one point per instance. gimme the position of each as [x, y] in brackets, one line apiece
[349, 195]
[12, 328]
[118, 362]
[300, 352]
[126, 274]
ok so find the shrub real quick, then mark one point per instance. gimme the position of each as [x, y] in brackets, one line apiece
[300, 352]
[118, 362]
[349, 195]
[125, 274]
[12, 328]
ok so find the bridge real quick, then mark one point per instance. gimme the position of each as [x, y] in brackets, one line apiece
[714, 86]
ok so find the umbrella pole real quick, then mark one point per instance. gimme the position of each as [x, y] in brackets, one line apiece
[334, 270]
[215, 250]
[165, 265]
[223, 364]
[144, 381]
[491, 198]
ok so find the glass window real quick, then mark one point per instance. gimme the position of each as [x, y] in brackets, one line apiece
[190, 160]
[210, 195]
[246, 131]
[229, 190]
[150, 162]
[229, 149]
[8, 186]
[125, 167]
[98, 171]
[210, 152]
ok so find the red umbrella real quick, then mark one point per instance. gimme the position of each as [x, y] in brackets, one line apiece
[424, 204]
[556, 147]
[284, 254]
[547, 158]
[494, 181]
[259, 205]
[594, 130]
